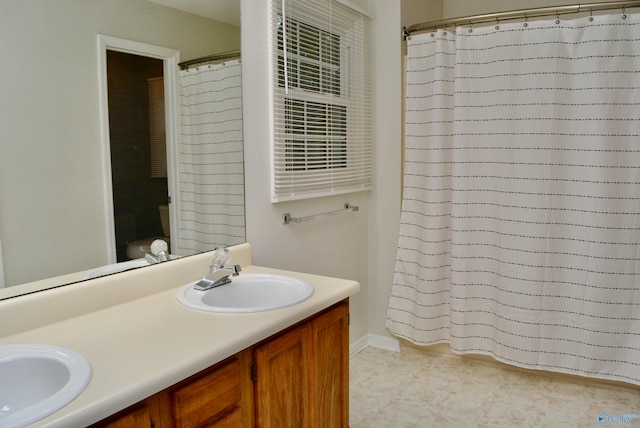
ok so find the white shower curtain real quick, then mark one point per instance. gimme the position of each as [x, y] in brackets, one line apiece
[211, 208]
[520, 224]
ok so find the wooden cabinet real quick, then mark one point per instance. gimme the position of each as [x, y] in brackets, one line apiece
[302, 375]
[281, 373]
[217, 397]
[329, 361]
[297, 378]
[220, 396]
[140, 415]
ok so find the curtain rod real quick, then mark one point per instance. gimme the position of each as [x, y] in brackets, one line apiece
[519, 14]
[224, 55]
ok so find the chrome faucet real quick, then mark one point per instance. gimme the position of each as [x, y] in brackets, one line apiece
[219, 271]
[159, 252]
[219, 276]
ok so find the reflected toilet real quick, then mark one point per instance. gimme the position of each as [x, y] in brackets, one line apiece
[138, 248]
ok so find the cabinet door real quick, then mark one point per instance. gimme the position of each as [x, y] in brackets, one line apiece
[329, 357]
[140, 415]
[282, 381]
[213, 398]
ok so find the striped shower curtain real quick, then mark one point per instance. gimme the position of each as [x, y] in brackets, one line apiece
[520, 225]
[211, 171]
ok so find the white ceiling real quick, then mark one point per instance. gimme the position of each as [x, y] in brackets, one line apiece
[227, 11]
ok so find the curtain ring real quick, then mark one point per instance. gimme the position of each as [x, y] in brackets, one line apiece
[624, 15]
[444, 33]
[590, 15]
[557, 17]
[470, 27]
[526, 19]
[497, 24]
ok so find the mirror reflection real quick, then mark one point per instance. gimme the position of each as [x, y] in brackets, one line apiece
[72, 201]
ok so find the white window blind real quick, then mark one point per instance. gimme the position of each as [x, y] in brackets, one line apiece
[321, 143]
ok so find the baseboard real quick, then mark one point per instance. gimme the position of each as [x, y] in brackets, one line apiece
[384, 342]
[375, 341]
[358, 345]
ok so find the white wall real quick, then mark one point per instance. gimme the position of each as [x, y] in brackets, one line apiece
[459, 8]
[52, 219]
[386, 198]
[417, 11]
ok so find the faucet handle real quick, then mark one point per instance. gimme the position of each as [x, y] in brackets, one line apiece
[221, 257]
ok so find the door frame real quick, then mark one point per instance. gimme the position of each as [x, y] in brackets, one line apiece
[170, 59]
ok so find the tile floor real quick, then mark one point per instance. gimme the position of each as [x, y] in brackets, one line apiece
[415, 388]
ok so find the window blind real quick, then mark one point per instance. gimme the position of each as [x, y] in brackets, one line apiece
[157, 134]
[321, 142]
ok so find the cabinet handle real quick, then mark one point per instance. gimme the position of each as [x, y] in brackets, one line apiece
[254, 372]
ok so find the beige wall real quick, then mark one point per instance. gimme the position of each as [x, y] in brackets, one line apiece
[458, 8]
[52, 214]
[417, 11]
[384, 219]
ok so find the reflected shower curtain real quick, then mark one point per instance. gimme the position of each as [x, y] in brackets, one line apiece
[211, 175]
[520, 226]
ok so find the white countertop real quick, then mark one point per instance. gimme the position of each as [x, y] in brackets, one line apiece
[142, 346]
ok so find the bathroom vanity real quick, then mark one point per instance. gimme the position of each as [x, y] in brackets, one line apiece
[289, 380]
[159, 363]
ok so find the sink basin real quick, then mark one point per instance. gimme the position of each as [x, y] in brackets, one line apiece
[37, 380]
[248, 292]
[116, 268]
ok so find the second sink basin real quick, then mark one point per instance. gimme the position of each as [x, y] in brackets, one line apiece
[36, 380]
[248, 292]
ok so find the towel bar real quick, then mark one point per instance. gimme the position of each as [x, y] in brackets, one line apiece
[347, 208]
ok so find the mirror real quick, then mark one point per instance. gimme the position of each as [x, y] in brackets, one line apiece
[54, 202]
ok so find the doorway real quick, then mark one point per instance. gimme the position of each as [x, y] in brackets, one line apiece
[138, 190]
[131, 194]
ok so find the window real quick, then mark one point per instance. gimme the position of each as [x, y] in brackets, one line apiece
[317, 135]
[321, 116]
